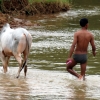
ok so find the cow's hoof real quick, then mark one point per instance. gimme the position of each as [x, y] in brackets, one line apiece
[17, 76]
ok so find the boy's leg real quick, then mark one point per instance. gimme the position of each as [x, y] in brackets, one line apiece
[83, 69]
[69, 68]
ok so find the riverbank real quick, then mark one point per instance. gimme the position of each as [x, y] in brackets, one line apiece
[46, 7]
[12, 9]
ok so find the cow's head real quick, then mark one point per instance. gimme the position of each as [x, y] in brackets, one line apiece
[5, 27]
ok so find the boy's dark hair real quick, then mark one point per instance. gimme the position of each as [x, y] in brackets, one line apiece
[83, 22]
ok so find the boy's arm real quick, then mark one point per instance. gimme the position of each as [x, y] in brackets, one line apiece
[73, 45]
[93, 46]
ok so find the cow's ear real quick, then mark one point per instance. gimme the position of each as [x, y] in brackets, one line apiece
[5, 27]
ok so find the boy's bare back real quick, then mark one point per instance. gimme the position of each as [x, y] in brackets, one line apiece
[82, 38]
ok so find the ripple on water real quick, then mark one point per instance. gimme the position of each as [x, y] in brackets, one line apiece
[40, 84]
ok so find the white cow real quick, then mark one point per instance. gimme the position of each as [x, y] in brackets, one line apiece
[15, 42]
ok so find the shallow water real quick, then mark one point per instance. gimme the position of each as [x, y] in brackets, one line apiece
[47, 78]
[47, 85]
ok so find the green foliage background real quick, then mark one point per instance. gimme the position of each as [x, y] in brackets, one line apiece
[61, 1]
[34, 4]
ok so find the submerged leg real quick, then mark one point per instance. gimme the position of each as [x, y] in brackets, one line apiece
[83, 69]
[25, 70]
[25, 53]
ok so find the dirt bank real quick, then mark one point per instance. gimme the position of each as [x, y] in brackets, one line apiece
[45, 8]
[11, 8]
[14, 21]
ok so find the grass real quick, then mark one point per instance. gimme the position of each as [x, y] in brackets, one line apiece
[41, 6]
[60, 1]
[47, 6]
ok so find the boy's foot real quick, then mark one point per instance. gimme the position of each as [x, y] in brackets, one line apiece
[80, 77]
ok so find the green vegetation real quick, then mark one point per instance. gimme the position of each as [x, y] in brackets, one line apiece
[33, 7]
[46, 6]
[30, 7]
[60, 1]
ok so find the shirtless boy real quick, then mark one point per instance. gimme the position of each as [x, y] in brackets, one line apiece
[78, 49]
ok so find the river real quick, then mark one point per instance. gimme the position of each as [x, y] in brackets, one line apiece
[47, 78]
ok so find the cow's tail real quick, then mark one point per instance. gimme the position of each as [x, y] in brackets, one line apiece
[27, 47]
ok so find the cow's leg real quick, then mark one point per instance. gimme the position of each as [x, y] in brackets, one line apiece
[25, 54]
[5, 61]
[25, 70]
[20, 61]
[20, 48]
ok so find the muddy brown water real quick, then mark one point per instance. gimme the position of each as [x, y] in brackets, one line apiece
[47, 78]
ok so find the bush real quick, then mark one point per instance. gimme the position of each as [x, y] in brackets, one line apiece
[46, 6]
[32, 7]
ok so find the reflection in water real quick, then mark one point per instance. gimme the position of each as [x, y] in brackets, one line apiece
[87, 89]
[12, 88]
[47, 85]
